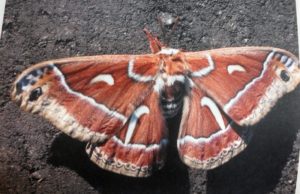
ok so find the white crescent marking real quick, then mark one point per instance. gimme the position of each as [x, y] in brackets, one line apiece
[205, 101]
[133, 120]
[205, 71]
[92, 101]
[236, 98]
[107, 78]
[233, 68]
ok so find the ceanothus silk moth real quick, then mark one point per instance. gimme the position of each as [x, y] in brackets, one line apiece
[119, 103]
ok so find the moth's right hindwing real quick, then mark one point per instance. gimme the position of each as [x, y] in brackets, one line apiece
[207, 137]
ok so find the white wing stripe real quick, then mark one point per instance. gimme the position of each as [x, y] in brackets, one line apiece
[92, 101]
[137, 76]
[205, 71]
[236, 98]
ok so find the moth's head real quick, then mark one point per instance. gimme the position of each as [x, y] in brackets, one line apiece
[287, 69]
[31, 86]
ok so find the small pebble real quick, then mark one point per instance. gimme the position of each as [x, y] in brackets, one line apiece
[36, 175]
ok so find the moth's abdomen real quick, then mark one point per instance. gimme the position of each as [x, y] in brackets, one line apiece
[171, 99]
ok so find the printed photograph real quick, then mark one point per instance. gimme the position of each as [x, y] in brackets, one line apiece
[149, 96]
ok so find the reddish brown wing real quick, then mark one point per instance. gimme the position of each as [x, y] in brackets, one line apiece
[235, 83]
[245, 82]
[139, 147]
[89, 98]
[207, 138]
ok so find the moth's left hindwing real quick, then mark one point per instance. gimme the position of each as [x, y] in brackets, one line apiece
[139, 147]
[88, 98]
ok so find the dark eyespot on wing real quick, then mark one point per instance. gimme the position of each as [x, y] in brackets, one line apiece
[35, 94]
[284, 75]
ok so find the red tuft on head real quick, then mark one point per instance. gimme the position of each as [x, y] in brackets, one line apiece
[155, 44]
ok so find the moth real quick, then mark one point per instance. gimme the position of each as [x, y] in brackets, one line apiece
[119, 103]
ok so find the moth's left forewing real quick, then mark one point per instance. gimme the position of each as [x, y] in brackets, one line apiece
[89, 98]
[246, 82]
